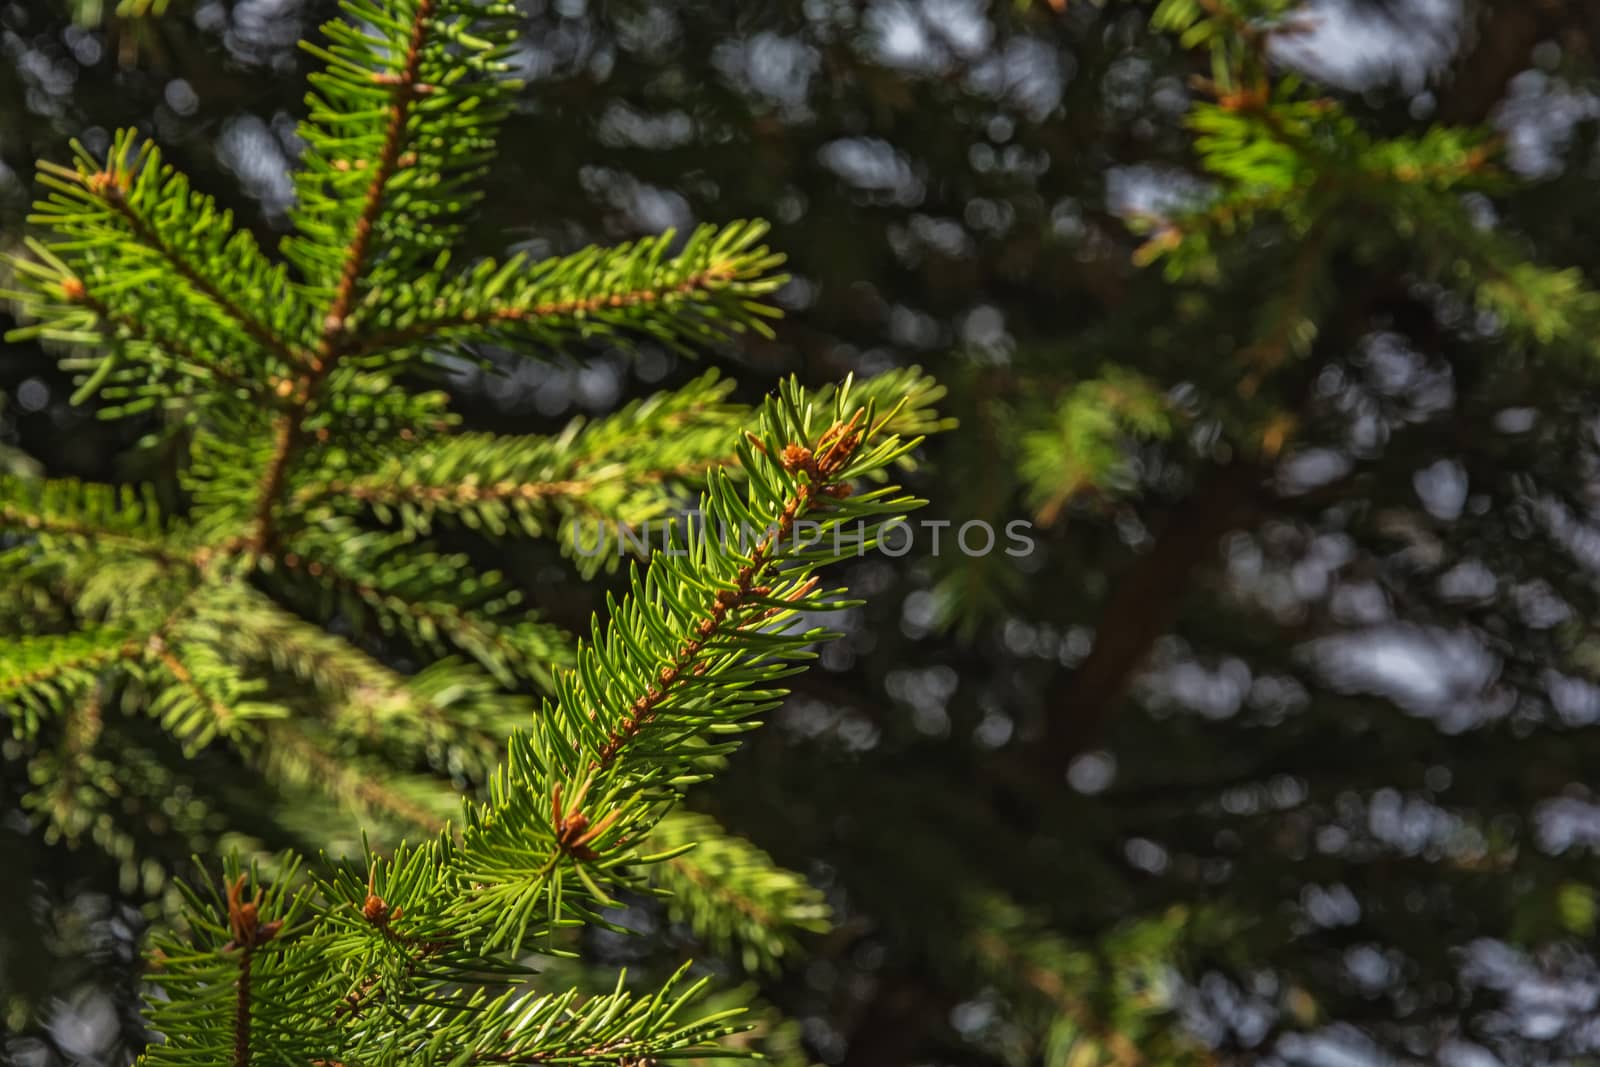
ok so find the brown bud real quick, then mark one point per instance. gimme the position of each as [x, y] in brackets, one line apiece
[795, 457]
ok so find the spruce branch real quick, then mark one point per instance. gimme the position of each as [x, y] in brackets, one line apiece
[489, 480]
[433, 600]
[237, 978]
[118, 329]
[686, 660]
[131, 231]
[449, 707]
[66, 776]
[108, 188]
[706, 291]
[402, 121]
[691, 654]
[41, 677]
[305, 449]
[730, 893]
[596, 485]
[198, 693]
[1274, 152]
[79, 513]
[356, 243]
[404, 88]
[292, 755]
[353, 245]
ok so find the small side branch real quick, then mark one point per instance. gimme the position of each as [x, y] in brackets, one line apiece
[113, 195]
[139, 331]
[185, 678]
[17, 519]
[505, 315]
[405, 91]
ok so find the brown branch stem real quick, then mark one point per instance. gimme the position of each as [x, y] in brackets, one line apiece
[832, 457]
[241, 1009]
[289, 433]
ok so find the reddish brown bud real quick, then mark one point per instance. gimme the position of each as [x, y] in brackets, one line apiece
[795, 457]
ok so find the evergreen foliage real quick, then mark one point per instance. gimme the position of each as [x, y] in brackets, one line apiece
[1273, 317]
[266, 606]
[656, 695]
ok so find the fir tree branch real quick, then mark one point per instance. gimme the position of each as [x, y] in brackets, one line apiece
[596, 770]
[448, 705]
[108, 190]
[404, 88]
[615, 1030]
[130, 179]
[185, 678]
[685, 659]
[549, 314]
[423, 88]
[835, 449]
[73, 765]
[628, 468]
[747, 906]
[138, 330]
[39, 676]
[132, 243]
[730, 893]
[208, 695]
[86, 513]
[17, 518]
[406, 108]
[426, 597]
[708, 290]
[346, 779]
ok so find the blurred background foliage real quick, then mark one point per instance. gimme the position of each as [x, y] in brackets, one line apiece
[1272, 750]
